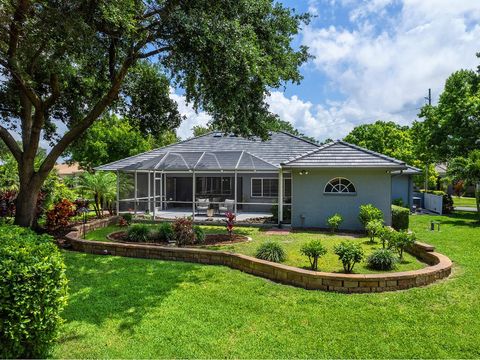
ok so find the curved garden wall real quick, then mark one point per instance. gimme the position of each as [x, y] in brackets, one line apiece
[440, 265]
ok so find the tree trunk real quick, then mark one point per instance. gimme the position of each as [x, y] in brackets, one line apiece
[26, 205]
[30, 185]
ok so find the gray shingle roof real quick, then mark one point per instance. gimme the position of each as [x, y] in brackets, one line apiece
[206, 160]
[214, 151]
[278, 149]
[411, 170]
[340, 154]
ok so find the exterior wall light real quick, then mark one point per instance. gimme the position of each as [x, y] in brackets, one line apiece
[303, 172]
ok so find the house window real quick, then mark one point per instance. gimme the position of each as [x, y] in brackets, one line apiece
[210, 185]
[265, 187]
[287, 187]
[340, 186]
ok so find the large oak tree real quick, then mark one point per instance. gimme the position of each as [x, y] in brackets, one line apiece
[452, 127]
[64, 63]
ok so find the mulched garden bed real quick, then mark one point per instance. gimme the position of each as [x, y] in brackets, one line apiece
[210, 239]
[224, 239]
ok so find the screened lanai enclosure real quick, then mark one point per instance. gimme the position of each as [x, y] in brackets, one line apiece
[204, 185]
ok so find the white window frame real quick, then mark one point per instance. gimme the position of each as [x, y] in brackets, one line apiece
[267, 178]
[347, 193]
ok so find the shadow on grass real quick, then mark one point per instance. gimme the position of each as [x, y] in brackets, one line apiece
[107, 287]
[460, 218]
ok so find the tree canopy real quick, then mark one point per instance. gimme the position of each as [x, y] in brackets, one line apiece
[468, 169]
[113, 138]
[64, 63]
[451, 128]
[385, 137]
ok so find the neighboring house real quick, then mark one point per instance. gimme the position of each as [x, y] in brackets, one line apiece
[249, 176]
[68, 170]
[449, 187]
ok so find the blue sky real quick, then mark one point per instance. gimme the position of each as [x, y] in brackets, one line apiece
[373, 60]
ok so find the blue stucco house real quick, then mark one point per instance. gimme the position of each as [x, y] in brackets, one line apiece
[302, 182]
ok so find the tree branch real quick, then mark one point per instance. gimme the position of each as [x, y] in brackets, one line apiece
[11, 144]
[55, 86]
[11, 63]
[27, 90]
[89, 119]
[162, 11]
[153, 52]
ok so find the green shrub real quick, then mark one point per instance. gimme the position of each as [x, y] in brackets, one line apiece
[398, 202]
[374, 228]
[368, 213]
[128, 218]
[165, 232]
[334, 221]
[271, 251]
[381, 259]
[386, 236]
[183, 230]
[349, 254]
[138, 233]
[199, 234]
[33, 292]
[313, 249]
[401, 240]
[400, 218]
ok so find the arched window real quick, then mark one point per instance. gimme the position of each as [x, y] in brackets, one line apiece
[340, 186]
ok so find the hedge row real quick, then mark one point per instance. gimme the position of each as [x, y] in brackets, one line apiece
[400, 217]
[33, 289]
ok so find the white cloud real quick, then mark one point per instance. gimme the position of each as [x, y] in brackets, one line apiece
[191, 117]
[387, 73]
[369, 7]
[382, 63]
[310, 119]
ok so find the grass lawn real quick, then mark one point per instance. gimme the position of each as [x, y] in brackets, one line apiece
[292, 244]
[464, 201]
[136, 308]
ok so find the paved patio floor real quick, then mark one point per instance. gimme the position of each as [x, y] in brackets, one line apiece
[242, 216]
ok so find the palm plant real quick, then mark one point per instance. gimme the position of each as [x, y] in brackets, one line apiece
[468, 170]
[102, 187]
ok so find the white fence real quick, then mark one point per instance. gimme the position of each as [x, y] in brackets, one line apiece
[433, 203]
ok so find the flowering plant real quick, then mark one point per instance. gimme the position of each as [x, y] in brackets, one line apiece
[230, 221]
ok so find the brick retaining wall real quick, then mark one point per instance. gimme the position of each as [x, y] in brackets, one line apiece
[439, 265]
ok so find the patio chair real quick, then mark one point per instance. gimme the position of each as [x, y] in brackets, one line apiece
[228, 205]
[202, 206]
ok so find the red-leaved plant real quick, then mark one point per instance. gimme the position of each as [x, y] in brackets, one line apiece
[183, 231]
[60, 215]
[230, 221]
[7, 203]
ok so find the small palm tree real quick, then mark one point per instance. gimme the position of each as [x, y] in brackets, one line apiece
[468, 169]
[102, 187]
